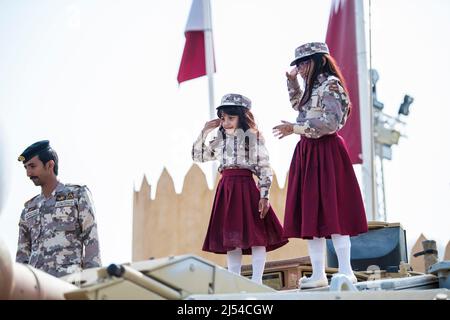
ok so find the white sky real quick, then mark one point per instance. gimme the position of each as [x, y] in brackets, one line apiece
[98, 79]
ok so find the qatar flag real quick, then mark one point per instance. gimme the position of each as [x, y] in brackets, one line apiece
[193, 63]
[341, 40]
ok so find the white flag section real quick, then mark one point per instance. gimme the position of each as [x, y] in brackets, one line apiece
[196, 19]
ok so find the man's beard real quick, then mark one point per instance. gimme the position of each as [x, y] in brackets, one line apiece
[36, 181]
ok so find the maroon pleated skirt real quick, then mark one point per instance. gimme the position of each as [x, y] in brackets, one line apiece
[235, 221]
[323, 195]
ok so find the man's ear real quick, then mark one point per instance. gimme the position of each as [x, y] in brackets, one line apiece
[50, 165]
[324, 61]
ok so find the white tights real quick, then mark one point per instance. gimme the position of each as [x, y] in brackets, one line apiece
[234, 261]
[342, 247]
[316, 248]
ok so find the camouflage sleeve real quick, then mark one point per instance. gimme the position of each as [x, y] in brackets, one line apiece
[335, 105]
[201, 152]
[89, 236]
[24, 243]
[295, 93]
[263, 169]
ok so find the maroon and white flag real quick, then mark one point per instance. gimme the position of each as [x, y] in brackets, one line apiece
[341, 40]
[193, 64]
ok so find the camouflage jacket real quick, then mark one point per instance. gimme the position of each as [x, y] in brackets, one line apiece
[325, 112]
[59, 234]
[233, 152]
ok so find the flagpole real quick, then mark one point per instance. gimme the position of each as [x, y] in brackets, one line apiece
[209, 63]
[366, 117]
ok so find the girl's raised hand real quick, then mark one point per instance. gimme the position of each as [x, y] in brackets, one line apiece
[283, 130]
[211, 125]
[292, 75]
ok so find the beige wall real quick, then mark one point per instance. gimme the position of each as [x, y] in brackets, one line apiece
[447, 252]
[417, 263]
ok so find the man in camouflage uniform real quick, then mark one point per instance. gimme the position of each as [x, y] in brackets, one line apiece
[57, 228]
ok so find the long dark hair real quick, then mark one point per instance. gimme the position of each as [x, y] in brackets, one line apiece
[323, 63]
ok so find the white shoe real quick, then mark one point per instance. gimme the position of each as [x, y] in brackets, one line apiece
[308, 283]
[302, 280]
[352, 277]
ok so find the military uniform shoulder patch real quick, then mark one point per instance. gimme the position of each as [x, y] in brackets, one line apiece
[60, 197]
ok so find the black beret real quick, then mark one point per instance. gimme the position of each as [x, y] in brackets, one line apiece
[34, 149]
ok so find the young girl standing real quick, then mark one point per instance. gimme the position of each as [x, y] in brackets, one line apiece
[242, 220]
[323, 196]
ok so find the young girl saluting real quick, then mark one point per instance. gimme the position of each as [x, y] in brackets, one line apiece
[323, 196]
[242, 220]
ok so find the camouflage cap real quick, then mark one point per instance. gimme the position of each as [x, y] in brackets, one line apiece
[309, 49]
[33, 150]
[235, 100]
